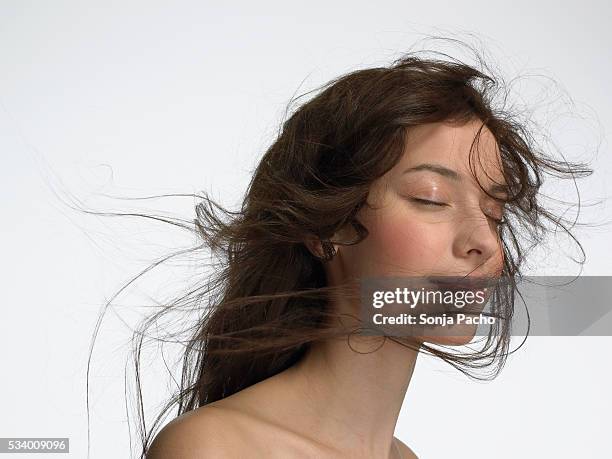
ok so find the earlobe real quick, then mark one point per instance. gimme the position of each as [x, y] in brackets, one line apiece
[329, 250]
[313, 245]
[322, 249]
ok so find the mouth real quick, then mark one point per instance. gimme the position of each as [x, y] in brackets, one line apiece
[458, 283]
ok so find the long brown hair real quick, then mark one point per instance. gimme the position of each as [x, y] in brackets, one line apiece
[267, 299]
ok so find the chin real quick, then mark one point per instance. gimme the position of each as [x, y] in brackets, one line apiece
[449, 340]
[456, 336]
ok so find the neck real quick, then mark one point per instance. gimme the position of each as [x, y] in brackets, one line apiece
[353, 395]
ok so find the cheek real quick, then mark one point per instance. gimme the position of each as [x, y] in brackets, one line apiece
[401, 244]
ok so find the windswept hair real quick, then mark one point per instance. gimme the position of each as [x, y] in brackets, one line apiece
[268, 298]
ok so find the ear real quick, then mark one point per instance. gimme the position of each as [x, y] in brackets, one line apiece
[313, 244]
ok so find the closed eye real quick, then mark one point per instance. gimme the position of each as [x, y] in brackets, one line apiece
[498, 217]
[427, 202]
[498, 221]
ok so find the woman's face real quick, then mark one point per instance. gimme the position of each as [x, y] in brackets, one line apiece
[429, 217]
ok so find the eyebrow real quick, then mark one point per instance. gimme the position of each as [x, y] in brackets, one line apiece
[453, 175]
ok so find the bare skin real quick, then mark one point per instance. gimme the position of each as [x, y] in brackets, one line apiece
[335, 402]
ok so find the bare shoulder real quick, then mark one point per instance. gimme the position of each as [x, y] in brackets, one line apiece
[204, 432]
[407, 453]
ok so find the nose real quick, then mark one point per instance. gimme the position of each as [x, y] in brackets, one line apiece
[477, 242]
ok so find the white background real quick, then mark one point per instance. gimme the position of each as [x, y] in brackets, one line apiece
[139, 98]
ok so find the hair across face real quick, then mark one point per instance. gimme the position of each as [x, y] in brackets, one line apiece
[430, 215]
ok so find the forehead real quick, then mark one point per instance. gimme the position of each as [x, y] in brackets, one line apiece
[449, 145]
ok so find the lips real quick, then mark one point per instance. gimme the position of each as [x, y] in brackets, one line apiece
[456, 283]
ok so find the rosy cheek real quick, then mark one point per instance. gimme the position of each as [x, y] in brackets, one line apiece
[402, 244]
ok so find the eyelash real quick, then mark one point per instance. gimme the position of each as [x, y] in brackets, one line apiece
[426, 202]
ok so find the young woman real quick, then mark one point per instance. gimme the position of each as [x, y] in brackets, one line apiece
[405, 170]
